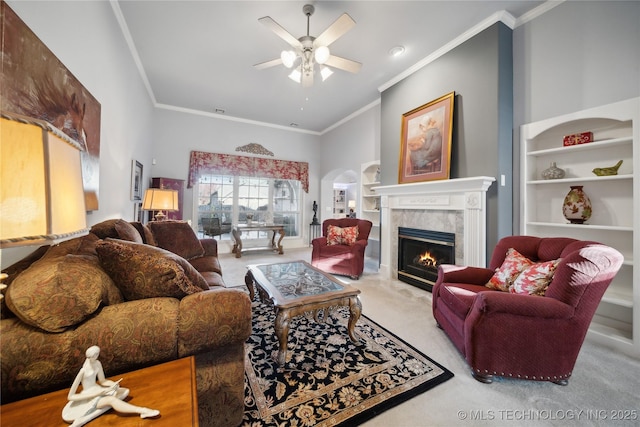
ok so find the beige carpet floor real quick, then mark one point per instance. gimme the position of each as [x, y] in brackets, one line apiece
[603, 391]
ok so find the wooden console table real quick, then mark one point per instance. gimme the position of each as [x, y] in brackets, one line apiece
[169, 387]
[237, 231]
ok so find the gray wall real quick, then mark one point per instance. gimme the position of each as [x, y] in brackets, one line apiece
[579, 55]
[479, 71]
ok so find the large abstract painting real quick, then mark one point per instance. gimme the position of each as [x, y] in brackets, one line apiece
[36, 84]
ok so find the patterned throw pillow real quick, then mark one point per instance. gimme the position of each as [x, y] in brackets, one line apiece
[142, 271]
[511, 267]
[56, 293]
[535, 279]
[342, 235]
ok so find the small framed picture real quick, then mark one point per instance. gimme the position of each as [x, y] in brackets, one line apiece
[136, 180]
[425, 144]
[138, 212]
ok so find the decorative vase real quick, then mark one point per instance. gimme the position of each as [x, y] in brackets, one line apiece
[577, 206]
[553, 172]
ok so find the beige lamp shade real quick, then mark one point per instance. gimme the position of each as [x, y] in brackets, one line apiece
[41, 189]
[352, 204]
[158, 199]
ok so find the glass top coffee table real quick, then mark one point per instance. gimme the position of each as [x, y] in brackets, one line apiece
[295, 288]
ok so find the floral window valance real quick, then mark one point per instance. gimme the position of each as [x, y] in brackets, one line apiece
[229, 164]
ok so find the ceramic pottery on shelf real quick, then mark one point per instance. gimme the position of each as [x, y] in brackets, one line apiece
[577, 206]
[611, 170]
[553, 172]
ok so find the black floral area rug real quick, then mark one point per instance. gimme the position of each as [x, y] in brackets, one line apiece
[327, 380]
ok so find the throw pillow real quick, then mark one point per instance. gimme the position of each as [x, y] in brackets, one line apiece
[56, 293]
[143, 271]
[177, 237]
[535, 279]
[116, 229]
[511, 267]
[342, 235]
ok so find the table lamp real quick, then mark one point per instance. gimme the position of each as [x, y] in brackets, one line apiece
[352, 208]
[41, 189]
[158, 199]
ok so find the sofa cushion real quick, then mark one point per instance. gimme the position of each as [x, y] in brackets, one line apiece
[143, 271]
[504, 276]
[341, 235]
[535, 279]
[58, 292]
[177, 237]
[145, 233]
[116, 229]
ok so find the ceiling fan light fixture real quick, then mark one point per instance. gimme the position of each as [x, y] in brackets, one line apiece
[325, 72]
[288, 58]
[296, 75]
[322, 54]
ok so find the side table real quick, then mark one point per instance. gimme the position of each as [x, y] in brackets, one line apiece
[169, 387]
[314, 231]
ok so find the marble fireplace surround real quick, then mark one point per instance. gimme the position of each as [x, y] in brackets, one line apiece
[455, 206]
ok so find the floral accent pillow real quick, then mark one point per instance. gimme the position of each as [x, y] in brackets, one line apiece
[535, 279]
[342, 235]
[511, 267]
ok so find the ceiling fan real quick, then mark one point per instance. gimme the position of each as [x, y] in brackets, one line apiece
[311, 50]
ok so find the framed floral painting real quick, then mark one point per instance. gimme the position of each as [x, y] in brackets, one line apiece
[425, 143]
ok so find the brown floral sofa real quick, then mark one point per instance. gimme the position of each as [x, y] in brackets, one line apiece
[143, 294]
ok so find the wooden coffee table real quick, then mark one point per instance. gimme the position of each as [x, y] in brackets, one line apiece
[295, 288]
[169, 387]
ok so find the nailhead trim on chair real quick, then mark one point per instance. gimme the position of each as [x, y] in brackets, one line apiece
[502, 374]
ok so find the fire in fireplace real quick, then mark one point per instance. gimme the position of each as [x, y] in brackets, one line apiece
[420, 252]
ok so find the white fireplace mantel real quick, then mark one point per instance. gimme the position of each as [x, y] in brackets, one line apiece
[467, 195]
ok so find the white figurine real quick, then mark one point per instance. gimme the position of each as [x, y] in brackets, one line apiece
[97, 397]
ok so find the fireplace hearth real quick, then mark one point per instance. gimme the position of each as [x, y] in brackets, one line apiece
[420, 252]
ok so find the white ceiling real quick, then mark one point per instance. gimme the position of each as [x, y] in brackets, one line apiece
[198, 55]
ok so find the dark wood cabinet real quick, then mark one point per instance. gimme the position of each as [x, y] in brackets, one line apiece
[171, 184]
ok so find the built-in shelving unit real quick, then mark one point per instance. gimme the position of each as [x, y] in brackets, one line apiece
[370, 205]
[339, 203]
[615, 201]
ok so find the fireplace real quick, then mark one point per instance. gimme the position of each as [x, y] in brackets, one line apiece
[420, 252]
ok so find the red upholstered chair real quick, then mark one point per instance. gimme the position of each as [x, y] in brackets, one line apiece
[525, 336]
[346, 260]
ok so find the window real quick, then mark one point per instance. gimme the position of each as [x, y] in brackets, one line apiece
[241, 199]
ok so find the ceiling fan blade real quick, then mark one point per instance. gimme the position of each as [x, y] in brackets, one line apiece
[339, 27]
[343, 64]
[267, 64]
[280, 32]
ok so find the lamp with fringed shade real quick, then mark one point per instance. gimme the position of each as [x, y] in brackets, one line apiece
[158, 199]
[41, 189]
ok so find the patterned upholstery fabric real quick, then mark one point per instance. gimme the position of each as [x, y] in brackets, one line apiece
[54, 294]
[211, 325]
[14, 270]
[143, 271]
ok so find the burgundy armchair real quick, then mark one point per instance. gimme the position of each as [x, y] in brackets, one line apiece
[525, 336]
[346, 260]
